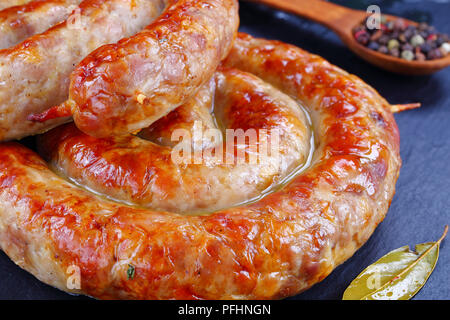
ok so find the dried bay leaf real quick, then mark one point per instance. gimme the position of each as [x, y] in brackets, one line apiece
[398, 275]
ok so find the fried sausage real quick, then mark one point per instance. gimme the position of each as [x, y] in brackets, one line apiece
[123, 87]
[20, 22]
[276, 247]
[11, 3]
[141, 172]
[35, 74]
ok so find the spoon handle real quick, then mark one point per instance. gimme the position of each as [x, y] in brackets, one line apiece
[338, 18]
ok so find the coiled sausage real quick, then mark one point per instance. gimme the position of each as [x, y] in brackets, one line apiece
[272, 248]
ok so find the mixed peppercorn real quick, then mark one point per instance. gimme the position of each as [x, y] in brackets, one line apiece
[400, 39]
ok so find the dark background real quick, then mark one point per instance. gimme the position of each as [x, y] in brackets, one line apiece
[421, 207]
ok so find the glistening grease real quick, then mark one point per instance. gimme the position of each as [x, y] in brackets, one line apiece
[236, 168]
[276, 184]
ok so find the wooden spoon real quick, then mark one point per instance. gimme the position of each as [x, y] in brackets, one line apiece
[342, 20]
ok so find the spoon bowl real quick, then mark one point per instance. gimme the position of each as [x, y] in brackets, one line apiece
[342, 20]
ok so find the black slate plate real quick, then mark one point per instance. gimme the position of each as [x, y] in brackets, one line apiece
[421, 206]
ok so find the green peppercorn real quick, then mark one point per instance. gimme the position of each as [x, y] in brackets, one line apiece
[417, 40]
[407, 55]
[393, 44]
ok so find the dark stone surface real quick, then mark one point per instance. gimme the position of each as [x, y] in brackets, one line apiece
[421, 206]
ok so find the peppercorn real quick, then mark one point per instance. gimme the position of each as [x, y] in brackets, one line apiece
[362, 37]
[383, 49]
[411, 28]
[395, 34]
[432, 44]
[394, 52]
[426, 47]
[409, 34]
[407, 55]
[424, 34]
[432, 37]
[384, 39]
[399, 24]
[423, 26]
[390, 25]
[400, 39]
[434, 54]
[445, 48]
[431, 30]
[407, 47]
[373, 45]
[417, 40]
[392, 44]
[358, 28]
[441, 39]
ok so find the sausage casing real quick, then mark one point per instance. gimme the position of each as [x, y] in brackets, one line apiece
[280, 245]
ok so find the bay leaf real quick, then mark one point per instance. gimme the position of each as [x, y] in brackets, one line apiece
[398, 275]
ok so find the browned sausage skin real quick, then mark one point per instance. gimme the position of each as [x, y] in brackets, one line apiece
[123, 87]
[11, 3]
[147, 174]
[35, 74]
[20, 22]
[276, 247]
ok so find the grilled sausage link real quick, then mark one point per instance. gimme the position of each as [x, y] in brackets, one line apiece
[20, 22]
[275, 247]
[123, 87]
[35, 74]
[150, 175]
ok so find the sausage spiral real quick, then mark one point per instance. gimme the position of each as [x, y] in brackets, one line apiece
[272, 247]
